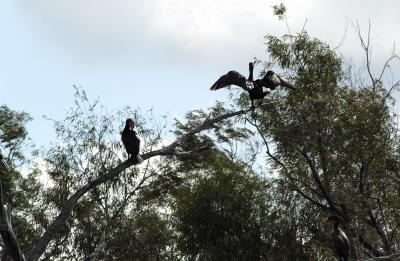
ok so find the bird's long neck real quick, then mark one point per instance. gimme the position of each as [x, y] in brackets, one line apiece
[335, 226]
[251, 69]
[126, 129]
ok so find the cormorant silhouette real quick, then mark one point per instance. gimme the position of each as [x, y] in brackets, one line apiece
[339, 239]
[254, 88]
[131, 141]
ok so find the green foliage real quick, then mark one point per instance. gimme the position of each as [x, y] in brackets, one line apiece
[221, 216]
[13, 132]
[279, 11]
[88, 146]
[143, 236]
[228, 214]
[13, 135]
[20, 193]
[208, 147]
[333, 143]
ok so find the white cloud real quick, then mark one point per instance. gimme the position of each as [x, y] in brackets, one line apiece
[193, 30]
[122, 27]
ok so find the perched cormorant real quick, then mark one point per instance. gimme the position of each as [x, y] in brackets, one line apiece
[131, 141]
[254, 88]
[339, 239]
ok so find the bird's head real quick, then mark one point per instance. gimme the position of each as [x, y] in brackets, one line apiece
[334, 219]
[130, 124]
[251, 66]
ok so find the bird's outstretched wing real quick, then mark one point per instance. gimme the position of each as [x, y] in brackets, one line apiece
[272, 80]
[231, 78]
[284, 82]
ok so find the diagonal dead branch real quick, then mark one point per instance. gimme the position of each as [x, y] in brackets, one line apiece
[287, 173]
[365, 44]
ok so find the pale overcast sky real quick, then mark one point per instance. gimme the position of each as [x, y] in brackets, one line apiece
[161, 54]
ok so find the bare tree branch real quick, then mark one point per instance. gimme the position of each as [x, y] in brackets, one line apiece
[287, 174]
[314, 172]
[395, 85]
[390, 257]
[386, 65]
[367, 50]
[304, 150]
[372, 221]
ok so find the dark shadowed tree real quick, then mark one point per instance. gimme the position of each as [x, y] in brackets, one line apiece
[334, 143]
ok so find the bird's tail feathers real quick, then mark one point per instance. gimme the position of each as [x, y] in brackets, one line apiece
[215, 87]
[286, 83]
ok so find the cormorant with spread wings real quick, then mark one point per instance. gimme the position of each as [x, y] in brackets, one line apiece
[254, 88]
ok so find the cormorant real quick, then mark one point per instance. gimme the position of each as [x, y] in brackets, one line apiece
[131, 141]
[339, 239]
[254, 88]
